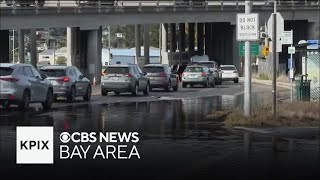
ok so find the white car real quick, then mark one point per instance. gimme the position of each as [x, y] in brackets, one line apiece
[229, 73]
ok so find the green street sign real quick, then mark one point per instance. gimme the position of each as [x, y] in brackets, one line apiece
[254, 49]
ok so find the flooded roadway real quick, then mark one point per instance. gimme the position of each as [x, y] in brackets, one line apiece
[176, 141]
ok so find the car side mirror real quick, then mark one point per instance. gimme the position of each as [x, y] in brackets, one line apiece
[81, 76]
[144, 73]
[43, 76]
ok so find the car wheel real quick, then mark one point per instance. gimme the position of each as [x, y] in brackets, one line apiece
[135, 90]
[191, 85]
[49, 100]
[104, 92]
[117, 93]
[175, 88]
[72, 95]
[236, 81]
[184, 85]
[147, 90]
[24, 103]
[168, 88]
[87, 96]
[207, 84]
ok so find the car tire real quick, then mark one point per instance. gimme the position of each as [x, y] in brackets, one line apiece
[24, 104]
[49, 100]
[236, 81]
[135, 90]
[207, 84]
[104, 92]
[72, 95]
[117, 93]
[175, 88]
[213, 84]
[168, 88]
[184, 85]
[147, 90]
[87, 96]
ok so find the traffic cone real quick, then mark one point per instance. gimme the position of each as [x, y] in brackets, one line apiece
[94, 81]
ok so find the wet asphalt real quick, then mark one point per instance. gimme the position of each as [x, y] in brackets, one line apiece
[176, 139]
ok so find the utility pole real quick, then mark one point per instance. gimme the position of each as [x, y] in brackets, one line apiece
[274, 59]
[13, 47]
[247, 69]
[109, 44]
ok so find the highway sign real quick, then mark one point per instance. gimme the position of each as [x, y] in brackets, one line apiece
[314, 44]
[280, 29]
[291, 50]
[287, 37]
[247, 27]
[254, 48]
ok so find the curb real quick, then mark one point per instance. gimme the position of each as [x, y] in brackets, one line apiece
[268, 82]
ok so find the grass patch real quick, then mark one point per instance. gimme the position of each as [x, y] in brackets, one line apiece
[288, 114]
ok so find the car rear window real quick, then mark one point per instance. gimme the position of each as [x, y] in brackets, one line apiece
[194, 69]
[116, 70]
[5, 71]
[153, 69]
[207, 64]
[54, 72]
[228, 68]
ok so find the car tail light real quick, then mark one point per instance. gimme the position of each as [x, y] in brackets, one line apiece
[11, 96]
[183, 74]
[162, 74]
[203, 74]
[64, 79]
[9, 79]
[128, 75]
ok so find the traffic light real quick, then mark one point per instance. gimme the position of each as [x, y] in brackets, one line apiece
[265, 51]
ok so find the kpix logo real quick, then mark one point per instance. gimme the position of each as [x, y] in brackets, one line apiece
[34, 145]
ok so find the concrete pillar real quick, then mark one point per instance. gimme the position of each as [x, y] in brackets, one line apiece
[137, 41]
[200, 38]
[164, 37]
[173, 42]
[208, 41]
[73, 46]
[313, 30]
[83, 51]
[21, 45]
[191, 37]
[4, 46]
[70, 44]
[33, 47]
[182, 37]
[146, 44]
[235, 49]
[93, 55]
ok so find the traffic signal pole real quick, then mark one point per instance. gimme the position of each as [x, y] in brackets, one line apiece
[247, 70]
[274, 60]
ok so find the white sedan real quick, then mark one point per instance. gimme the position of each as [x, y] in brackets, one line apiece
[229, 73]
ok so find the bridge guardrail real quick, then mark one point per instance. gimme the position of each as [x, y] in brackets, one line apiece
[155, 3]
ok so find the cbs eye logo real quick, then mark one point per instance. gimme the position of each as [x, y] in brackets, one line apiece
[65, 137]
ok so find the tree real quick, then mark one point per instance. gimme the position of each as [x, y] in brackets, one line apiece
[61, 60]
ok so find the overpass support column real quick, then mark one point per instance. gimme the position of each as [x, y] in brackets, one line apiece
[4, 46]
[182, 37]
[208, 39]
[93, 55]
[313, 30]
[235, 49]
[137, 41]
[164, 43]
[200, 38]
[191, 38]
[146, 45]
[21, 45]
[73, 42]
[173, 41]
[33, 47]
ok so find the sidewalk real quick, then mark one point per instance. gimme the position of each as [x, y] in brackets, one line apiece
[269, 82]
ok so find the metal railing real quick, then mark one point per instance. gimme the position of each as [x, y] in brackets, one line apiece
[144, 3]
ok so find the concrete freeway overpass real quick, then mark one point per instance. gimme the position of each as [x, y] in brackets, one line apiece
[213, 24]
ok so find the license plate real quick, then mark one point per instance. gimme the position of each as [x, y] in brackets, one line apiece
[54, 82]
[115, 78]
[192, 76]
[151, 77]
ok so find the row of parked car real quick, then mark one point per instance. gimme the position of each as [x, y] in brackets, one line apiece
[22, 84]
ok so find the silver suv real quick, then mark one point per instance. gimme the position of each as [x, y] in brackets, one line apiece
[195, 75]
[124, 78]
[68, 82]
[22, 84]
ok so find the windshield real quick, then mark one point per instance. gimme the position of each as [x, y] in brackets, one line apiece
[194, 69]
[153, 69]
[54, 72]
[207, 64]
[228, 68]
[116, 70]
[5, 71]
